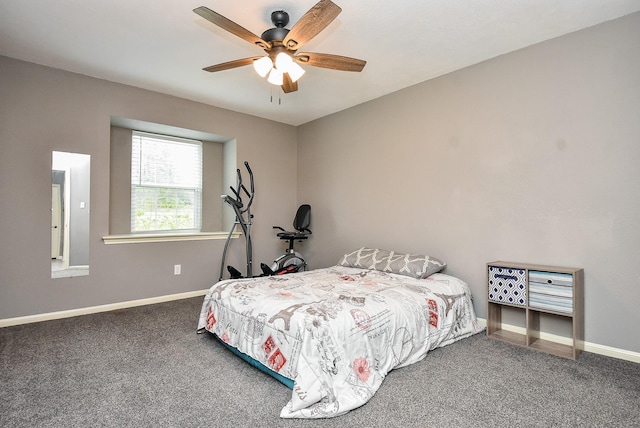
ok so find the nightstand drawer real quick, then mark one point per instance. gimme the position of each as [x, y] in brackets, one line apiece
[551, 291]
[551, 278]
[551, 303]
[507, 285]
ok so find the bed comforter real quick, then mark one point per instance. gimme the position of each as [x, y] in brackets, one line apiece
[337, 331]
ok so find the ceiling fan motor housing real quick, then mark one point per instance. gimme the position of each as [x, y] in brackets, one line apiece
[280, 19]
[273, 34]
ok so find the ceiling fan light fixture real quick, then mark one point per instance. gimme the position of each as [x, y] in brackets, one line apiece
[295, 71]
[263, 66]
[283, 62]
[275, 77]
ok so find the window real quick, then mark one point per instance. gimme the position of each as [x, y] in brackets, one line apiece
[166, 183]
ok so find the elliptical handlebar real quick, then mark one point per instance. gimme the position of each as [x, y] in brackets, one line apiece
[243, 216]
[240, 188]
[246, 164]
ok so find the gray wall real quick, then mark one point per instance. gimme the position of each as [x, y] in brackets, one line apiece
[531, 156]
[44, 109]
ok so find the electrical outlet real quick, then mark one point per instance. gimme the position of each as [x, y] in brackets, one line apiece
[177, 269]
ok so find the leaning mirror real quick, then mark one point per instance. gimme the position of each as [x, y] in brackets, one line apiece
[70, 207]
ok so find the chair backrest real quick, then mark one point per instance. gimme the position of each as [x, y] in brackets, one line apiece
[302, 220]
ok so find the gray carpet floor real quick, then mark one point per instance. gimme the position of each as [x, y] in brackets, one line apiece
[146, 366]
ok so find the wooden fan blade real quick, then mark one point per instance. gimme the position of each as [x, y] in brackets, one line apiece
[231, 64]
[288, 85]
[311, 23]
[334, 62]
[230, 26]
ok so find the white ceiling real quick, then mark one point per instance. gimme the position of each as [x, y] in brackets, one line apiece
[162, 45]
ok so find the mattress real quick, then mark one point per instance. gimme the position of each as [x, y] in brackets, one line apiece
[336, 332]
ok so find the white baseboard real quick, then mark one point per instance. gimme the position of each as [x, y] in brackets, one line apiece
[595, 348]
[7, 322]
[96, 309]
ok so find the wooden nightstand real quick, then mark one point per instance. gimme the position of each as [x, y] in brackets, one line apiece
[535, 291]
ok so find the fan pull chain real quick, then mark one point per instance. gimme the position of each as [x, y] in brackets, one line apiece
[279, 96]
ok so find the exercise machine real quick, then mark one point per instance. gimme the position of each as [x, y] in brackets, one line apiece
[243, 218]
[291, 261]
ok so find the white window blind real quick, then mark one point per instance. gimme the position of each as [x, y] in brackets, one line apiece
[166, 183]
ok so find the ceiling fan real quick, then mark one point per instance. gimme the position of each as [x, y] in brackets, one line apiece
[282, 44]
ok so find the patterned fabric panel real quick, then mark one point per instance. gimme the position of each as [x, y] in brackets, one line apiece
[413, 265]
[507, 285]
[337, 332]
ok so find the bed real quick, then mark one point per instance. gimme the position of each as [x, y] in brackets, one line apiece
[333, 334]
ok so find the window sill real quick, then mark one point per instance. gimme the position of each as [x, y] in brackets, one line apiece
[165, 237]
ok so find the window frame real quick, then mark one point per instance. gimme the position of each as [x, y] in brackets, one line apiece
[138, 184]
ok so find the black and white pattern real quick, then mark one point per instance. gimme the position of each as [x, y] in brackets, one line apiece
[507, 285]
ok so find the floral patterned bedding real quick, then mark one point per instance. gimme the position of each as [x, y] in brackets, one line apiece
[336, 332]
